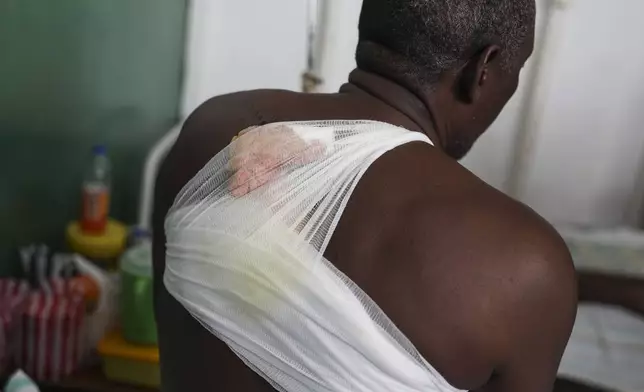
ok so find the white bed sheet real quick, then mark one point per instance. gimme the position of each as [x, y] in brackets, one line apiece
[607, 344]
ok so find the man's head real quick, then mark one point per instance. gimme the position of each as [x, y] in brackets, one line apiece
[464, 56]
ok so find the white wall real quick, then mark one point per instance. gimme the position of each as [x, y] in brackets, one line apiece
[588, 145]
[590, 137]
[341, 38]
[241, 45]
[231, 49]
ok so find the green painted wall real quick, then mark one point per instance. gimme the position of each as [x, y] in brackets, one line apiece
[74, 73]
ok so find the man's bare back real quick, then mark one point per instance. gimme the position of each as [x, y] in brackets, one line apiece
[478, 282]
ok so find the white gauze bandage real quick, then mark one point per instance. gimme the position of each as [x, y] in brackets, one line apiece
[245, 244]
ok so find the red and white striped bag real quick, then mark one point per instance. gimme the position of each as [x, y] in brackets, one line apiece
[13, 298]
[51, 343]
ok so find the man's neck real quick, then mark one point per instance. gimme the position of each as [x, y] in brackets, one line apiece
[420, 112]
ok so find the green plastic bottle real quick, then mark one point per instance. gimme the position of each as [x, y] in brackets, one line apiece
[137, 312]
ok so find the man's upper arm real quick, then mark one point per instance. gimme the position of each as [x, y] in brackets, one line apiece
[181, 337]
[537, 324]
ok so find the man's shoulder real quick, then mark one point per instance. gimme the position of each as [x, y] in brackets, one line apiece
[482, 218]
[210, 128]
[501, 234]
[214, 123]
[455, 216]
[234, 110]
[497, 270]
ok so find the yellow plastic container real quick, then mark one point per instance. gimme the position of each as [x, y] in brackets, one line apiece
[106, 247]
[129, 364]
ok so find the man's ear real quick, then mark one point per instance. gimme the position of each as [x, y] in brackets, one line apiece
[475, 74]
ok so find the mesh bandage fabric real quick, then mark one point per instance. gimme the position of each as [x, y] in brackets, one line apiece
[245, 244]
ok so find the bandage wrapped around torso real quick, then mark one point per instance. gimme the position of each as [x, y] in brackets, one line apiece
[245, 244]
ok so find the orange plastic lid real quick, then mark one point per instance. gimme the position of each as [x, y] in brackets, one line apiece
[113, 345]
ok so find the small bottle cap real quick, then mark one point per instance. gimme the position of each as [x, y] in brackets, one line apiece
[140, 233]
[99, 149]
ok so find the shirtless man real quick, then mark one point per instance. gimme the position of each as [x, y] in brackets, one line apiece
[483, 287]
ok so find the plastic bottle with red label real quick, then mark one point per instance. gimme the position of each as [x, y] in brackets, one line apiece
[96, 193]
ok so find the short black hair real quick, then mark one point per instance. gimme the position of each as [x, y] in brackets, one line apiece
[421, 39]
